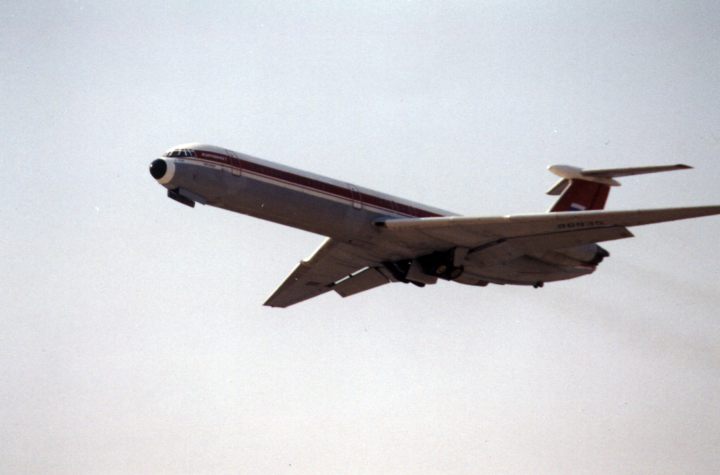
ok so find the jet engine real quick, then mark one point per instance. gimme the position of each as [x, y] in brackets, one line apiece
[590, 254]
[428, 268]
[445, 265]
[162, 170]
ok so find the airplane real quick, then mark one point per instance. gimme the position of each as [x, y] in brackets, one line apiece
[374, 238]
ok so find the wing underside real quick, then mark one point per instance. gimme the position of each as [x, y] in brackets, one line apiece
[336, 266]
[486, 241]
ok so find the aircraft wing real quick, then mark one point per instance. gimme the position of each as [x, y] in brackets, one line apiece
[428, 234]
[334, 266]
[350, 269]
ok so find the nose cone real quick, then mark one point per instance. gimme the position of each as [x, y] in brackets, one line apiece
[158, 168]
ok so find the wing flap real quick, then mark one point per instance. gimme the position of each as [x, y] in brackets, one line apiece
[366, 279]
[509, 249]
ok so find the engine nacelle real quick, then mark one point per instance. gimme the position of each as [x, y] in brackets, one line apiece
[163, 170]
[589, 254]
[442, 264]
[409, 271]
[428, 268]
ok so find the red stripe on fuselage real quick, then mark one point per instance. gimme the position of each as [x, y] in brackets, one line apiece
[313, 184]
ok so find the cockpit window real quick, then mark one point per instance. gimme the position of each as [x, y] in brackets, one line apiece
[180, 153]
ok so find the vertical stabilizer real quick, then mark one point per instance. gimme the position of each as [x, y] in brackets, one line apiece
[582, 190]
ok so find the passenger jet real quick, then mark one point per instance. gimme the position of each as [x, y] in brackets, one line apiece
[374, 238]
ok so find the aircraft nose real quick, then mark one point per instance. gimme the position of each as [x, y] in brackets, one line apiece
[158, 168]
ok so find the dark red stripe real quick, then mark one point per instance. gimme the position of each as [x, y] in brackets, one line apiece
[314, 184]
[588, 194]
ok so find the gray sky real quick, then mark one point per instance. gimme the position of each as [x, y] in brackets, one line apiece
[133, 337]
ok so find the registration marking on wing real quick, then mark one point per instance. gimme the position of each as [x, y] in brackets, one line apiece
[581, 224]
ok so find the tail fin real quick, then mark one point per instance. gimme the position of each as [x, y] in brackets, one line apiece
[582, 190]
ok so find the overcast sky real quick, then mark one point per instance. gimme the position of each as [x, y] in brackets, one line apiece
[133, 335]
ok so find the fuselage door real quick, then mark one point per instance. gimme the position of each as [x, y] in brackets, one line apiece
[356, 197]
[234, 163]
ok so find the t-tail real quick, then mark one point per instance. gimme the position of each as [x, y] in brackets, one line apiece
[585, 190]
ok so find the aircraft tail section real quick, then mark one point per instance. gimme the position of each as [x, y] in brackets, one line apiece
[585, 190]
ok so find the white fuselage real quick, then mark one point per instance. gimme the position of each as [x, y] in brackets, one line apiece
[281, 194]
[343, 211]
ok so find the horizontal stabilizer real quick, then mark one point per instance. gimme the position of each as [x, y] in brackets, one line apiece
[617, 172]
[581, 190]
[602, 176]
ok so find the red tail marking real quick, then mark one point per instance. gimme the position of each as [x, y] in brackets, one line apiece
[582, 195]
